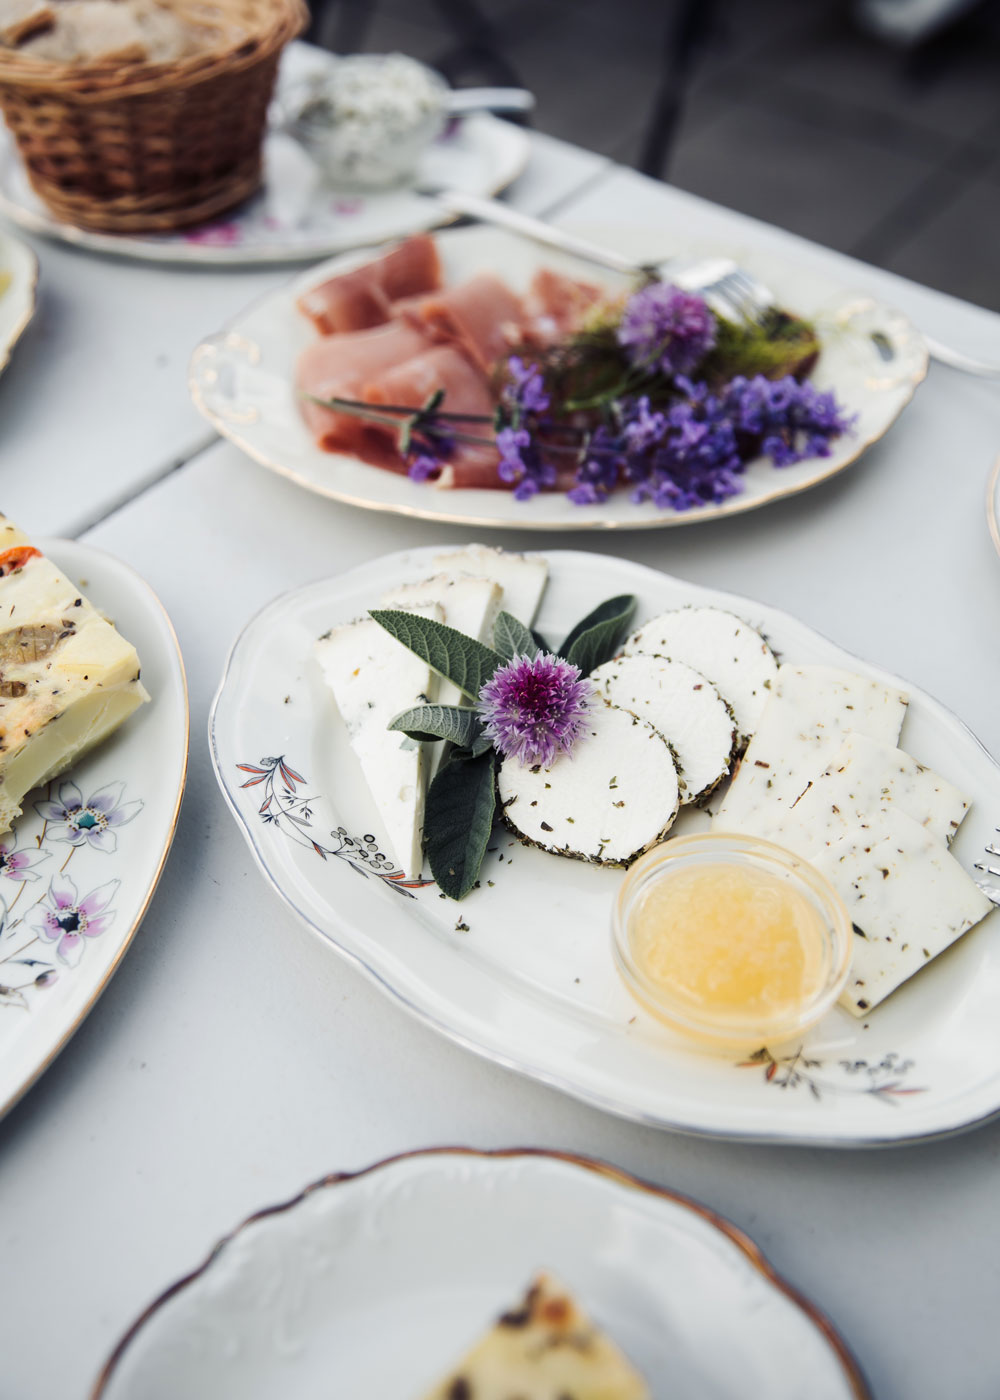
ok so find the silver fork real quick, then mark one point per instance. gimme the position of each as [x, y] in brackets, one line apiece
[989, 888]
[729, 289]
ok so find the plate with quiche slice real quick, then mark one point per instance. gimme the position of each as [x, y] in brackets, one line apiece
[473, 377]
[18, 282]
[94, 720]
[493, 742]
[490, 1275]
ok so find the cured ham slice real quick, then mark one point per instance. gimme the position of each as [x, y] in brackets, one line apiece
[558, 305]
[362, 298]
[343, 366]
[482, 315]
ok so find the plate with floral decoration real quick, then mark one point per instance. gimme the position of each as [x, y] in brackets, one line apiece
[242, 380]
[431, 1247]
[79, 868]
[297, 216]
[521, 971]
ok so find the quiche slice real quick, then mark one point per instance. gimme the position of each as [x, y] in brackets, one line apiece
[67, 679]
[545, 1348]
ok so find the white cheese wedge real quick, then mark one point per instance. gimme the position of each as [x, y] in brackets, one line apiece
[545, 1348]
[522, 577]
[67, 677]
[734, 657]
[373, 677]
[864, 777]
[686, 709]
[907, 896]
[468, 604]
[608, 801]
[811, 711]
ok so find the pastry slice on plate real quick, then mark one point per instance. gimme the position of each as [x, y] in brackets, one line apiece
[544, 1348]
[67, 677]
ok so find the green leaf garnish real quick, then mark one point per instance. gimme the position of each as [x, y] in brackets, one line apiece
[450, 653]
[511, 638]
[431, 722]
[458, 819]
[597, 637]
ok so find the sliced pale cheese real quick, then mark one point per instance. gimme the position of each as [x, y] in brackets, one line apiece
[811, 711]
[468, 604]
[907, 897]
[373, 677]
[544, 1348]
[608, 801]
[67, 677]
[863, 777]
[734, 657]
[522, 577]
[686, 709]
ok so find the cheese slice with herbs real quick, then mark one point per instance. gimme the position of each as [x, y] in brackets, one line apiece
[468, 604]
[373, 677]
[864, 777]
[67, 677]
[522, 577]
[811, 711]
[907, 896]
[545, 1348]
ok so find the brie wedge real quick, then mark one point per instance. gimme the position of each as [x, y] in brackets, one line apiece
[907, 897]
[67, 678]
[373, 677]
[545, 1348]
[522, 577]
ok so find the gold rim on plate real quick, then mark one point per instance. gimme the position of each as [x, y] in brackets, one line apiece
[849, 1366]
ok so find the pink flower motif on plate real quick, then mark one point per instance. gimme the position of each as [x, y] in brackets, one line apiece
[91, 823]
[63, 918]
[346, 208]
[216, 235]
[17, 865]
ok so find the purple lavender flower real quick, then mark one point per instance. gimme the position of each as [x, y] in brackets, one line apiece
[534, 708]
[90, 823]
[525, 389]
[65, 919]
[598, 473]
[667, 329]
[784, 419]
[423, 466]
[523, 462]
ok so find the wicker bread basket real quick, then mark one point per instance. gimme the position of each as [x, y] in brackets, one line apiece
[148, 147]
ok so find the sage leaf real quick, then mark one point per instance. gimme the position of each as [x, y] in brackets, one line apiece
[431, 722]
[598, 636]
[451, 654]
[511, 638]
[458, 819]
[539, 641]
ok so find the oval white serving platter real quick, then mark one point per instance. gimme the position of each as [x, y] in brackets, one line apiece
[428, 1249]
[297, 216]
[241, 379]
[521, 971]
[53, 863]
[18, 285]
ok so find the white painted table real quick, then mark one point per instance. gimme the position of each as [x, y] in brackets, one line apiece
[234, 1057]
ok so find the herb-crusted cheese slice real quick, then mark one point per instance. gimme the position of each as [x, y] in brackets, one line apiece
[67, 677]
[686, 709]
[734, 657]
[607, 802]
[545, 1348]
[522, 577]
[810, 713]
[907, 897]
[373, 677]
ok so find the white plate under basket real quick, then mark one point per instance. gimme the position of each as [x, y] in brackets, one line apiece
[521, 971]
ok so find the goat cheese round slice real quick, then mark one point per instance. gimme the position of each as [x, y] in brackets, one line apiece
[734, 657]
[684, 706]
[607, 802]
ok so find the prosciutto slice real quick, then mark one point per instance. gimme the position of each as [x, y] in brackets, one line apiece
[344, 366]
[362, 298]
[482, 316]
[558, 305]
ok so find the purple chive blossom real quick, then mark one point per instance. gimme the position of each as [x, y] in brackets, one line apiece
[65, 919]
[534, 708]
[525, 388]
[666, 329]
